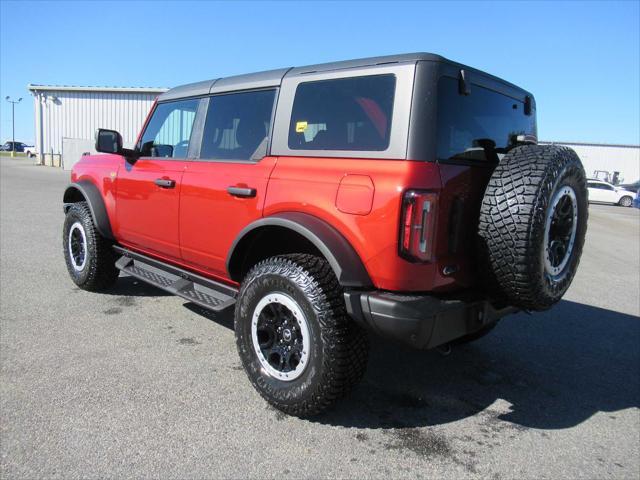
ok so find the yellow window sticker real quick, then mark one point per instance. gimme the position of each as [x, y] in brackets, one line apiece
[301, 127]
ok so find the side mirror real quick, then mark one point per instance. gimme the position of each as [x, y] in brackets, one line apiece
[108, 141]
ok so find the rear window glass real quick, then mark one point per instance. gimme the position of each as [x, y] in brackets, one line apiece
[479, 126]
[343, 114]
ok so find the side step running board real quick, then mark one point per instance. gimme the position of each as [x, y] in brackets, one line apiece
[190, 286]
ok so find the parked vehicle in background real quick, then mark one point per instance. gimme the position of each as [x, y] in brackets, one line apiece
[323, 201]
[604, 192]
[636, 201]
[30, 151]
[630, 187]
[8, 147]
[606, 176]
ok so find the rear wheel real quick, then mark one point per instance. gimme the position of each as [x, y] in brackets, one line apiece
[89, 257]
[626, 201]
[533, 221]
[297, 344]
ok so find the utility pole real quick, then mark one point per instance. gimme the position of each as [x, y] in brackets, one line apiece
[13, 123]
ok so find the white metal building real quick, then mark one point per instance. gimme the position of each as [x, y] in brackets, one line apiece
[67, 117]
[599, 158]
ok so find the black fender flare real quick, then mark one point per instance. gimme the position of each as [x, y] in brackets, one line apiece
[342, 257]
[94, 199]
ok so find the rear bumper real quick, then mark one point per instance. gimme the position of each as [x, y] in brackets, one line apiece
[422, 321]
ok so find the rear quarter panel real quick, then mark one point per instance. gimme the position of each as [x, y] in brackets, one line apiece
[310, 185]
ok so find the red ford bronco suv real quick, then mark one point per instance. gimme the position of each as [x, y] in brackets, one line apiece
[404, 195]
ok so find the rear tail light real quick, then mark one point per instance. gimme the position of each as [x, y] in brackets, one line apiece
[417, 226]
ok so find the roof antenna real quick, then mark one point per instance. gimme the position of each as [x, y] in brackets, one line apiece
[463, 85]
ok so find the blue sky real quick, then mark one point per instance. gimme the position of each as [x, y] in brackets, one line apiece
[580, 59]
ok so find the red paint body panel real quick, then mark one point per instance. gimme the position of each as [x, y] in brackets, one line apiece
[211, 218]
[195, 224]
[355, 194]
[102, 171]
[186, 265]
[310, 185]
[147, 215]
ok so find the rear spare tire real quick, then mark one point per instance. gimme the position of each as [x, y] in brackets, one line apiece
[533, 221]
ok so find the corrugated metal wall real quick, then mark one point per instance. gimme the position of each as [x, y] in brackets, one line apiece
[611, 158]
[176, 127]
[77, 114]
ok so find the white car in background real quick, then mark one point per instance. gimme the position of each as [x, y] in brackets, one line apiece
[603, 192]
[30, 151]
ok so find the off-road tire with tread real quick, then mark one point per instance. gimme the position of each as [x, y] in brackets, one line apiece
[99, 271]
[512, 223]
[338, 346]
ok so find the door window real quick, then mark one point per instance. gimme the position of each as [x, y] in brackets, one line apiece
[169, 129]
[237, 126]
[600, 186]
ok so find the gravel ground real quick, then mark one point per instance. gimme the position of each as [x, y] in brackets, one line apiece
[136, 383]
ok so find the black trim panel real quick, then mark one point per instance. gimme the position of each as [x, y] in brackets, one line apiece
[342, 257]
[419, 320]
[96, 204]
[195, 288]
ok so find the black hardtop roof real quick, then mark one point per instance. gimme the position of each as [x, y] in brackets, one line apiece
[273, 78]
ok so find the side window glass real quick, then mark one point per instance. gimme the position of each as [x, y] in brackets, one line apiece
[169, 129]
[343, 114]
[237, 126]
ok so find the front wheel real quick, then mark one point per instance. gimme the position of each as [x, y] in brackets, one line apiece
[626, 201]
[297, 344]
[89, 257]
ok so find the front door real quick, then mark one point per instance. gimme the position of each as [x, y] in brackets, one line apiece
[224, 190]
[148, 190]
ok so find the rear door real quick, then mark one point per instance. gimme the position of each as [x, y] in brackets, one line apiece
[224, 190]
[148, 190]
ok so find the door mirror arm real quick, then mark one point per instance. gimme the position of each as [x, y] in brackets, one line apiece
[130, 154]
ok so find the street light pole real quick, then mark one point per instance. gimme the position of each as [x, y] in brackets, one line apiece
[13, 123]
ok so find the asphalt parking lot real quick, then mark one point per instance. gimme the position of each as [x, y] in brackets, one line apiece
[137, 383]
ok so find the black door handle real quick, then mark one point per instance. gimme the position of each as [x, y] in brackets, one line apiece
[243, 192]
[165, 182]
